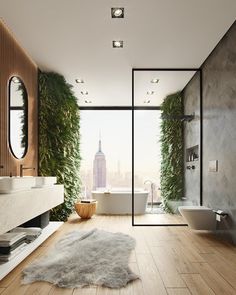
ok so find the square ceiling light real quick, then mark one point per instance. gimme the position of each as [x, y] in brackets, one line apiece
[117, 12]
[117, 44]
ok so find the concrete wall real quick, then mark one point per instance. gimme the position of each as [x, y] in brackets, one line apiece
[191, 95]
[219, 131]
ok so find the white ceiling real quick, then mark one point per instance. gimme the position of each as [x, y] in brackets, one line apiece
[74, 38]
[169, 82]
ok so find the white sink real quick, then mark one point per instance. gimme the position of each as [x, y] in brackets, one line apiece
[13, 184]
[45, 181]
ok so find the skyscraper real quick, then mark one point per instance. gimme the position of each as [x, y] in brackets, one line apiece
[99, 168]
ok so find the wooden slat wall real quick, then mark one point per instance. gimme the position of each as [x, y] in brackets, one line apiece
[15, 62]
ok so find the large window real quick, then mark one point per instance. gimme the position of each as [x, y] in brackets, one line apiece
[106, 148]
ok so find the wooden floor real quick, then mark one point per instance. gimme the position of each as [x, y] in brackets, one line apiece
[160, 219]
[169, 260]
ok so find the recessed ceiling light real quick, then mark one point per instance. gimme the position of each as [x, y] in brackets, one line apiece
[117, 44]
[87, 101]
[155, 80]
[117, 12]
[79, 80]
[84, 92]
[150, 92]
[147, 101]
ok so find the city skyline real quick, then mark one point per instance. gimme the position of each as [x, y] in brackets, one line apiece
[116, 133]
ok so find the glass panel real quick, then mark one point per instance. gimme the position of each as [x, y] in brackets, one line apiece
[18, 118]
[167, 145]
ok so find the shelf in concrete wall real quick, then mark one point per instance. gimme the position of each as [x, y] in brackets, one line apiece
[7, 267]
[192, 154]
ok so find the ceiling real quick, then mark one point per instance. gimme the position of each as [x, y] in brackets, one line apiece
[74, 38]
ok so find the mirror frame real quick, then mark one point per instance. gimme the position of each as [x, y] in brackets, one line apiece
[9, 116]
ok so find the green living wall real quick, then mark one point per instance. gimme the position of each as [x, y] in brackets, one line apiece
[59, 138]
[172, 151]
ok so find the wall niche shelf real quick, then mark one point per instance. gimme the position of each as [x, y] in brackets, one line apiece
[192, 154]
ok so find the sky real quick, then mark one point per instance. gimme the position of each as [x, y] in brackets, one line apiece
[116, 136]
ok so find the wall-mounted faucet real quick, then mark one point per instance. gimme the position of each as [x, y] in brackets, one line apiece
[22, 168]
[190, 167]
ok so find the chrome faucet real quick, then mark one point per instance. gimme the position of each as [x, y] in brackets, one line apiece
[22, 168]
[152, 189]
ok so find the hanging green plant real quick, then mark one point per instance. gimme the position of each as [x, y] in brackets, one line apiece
[59, 138]
[172, 151]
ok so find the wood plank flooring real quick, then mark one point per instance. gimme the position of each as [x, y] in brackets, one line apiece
[169, 260]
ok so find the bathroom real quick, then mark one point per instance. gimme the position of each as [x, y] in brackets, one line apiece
[127, 90]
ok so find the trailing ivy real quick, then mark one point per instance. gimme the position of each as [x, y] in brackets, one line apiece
[59, 138]
[172, 150]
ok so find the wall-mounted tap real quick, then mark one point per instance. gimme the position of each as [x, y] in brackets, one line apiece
[190, 167]
[22, 168]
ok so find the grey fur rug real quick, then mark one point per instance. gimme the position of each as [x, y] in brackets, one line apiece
[83, 258]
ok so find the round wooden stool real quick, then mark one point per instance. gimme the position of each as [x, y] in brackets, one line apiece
[85, 210]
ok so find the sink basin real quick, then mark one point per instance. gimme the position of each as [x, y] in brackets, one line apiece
[13, 184]
[44, 181]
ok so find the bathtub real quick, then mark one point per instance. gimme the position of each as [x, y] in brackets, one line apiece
[120, 202]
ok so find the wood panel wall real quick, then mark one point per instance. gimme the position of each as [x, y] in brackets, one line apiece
[15, 62]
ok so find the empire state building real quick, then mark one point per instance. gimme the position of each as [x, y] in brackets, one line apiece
[99, 168]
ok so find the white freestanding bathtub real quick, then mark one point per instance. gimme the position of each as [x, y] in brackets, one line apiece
[120, 202]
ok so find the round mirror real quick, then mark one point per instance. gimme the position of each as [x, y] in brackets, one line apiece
[18, 117]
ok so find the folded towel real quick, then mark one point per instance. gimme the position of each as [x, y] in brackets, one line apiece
[28, 230]
[10, 238]
[8, 249]
[31, 232]
[13, 254]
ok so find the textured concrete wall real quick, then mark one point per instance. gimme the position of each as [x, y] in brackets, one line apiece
[219, 131]
[191, 96]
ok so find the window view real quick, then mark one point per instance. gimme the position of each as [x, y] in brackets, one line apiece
[106, 150]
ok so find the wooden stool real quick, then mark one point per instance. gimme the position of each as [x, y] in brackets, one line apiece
[85, 210]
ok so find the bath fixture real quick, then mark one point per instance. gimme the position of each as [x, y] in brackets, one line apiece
[22, 168]
[87, 101]
[79, 80]
[117, 44]
[147, 101]
[45, 181]
[120, 201]
[155, 80]
[187, 118]
[1, 166]
[220, 215]
[9, 185]
[190, 167]
[117, 12]
[152, 190]
[199, 217]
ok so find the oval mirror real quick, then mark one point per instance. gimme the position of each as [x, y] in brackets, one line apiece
[18, 117]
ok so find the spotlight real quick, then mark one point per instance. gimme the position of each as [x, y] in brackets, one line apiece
[79, 80]
[155, 80]
[117, 12]
[117, 44]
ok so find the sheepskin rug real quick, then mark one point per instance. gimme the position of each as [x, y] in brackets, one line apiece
[81, 258]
